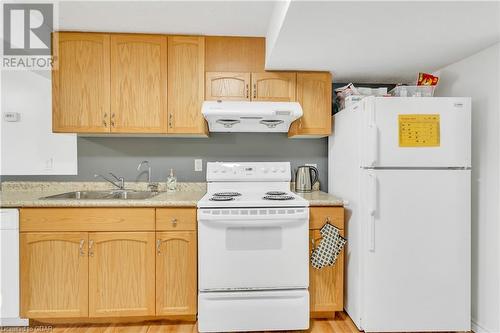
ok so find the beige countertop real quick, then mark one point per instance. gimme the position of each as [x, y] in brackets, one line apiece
[29, 194]
[320, 198]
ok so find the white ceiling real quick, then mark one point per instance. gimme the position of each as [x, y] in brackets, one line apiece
[368, 41]
[240, 18]
[382, 41]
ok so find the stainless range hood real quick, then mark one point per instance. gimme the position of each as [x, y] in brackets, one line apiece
[229, 116]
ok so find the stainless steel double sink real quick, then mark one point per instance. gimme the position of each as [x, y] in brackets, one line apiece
[105, 195]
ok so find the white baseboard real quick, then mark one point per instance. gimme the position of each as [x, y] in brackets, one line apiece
[478, 328]
[13, 322]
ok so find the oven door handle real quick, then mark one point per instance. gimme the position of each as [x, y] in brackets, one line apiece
[252, 223]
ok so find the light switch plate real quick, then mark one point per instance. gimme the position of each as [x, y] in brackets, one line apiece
[198, 165]
[11, 116]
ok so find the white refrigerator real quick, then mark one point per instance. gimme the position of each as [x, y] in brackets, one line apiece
[403, 166]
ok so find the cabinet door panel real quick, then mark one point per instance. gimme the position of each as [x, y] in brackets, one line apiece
[227, 86]
[80, 83]
[186, 82]
[314, 93]
[176, 288]
[326, 285]
[121, 274]
[138, 84]
[54, 275]
[273, 86]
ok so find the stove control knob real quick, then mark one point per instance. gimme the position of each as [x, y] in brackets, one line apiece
[282, 170]
[223, 171]
[264, 170]
[274, 170]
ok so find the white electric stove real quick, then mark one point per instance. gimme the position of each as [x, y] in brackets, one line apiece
[253, 256]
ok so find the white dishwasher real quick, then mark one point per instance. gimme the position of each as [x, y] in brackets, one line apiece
[9, 269]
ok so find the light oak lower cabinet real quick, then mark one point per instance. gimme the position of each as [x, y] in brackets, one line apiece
[99, 263]
[54, 275]
[133, 262]
[326, 285]
[121, 274]
[176, 288]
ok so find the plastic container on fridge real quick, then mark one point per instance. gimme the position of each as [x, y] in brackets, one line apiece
[413, 91]
[365, 91]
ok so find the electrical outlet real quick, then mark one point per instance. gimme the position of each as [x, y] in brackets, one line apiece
[49, 164]
[198, 165]
[312, 164]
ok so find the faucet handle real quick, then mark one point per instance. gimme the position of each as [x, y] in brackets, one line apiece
[141, 164]
[153, 187]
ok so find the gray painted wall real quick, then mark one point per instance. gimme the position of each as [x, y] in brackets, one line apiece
[121, 155]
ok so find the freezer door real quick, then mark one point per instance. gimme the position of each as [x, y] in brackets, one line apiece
[417, 250]
[416, 132]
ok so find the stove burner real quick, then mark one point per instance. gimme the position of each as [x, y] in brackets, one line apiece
[275, 193]
[278, 197]
[221, 198]
[227, 194]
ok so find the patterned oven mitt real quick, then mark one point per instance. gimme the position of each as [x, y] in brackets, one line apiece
[329, 247]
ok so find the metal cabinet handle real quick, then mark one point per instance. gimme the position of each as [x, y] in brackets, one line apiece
[104, 123]
[82, 252]
[247, 91]
[158, 245]
[254, 90]
[313, 244]
[112, 122]
[170, 120]
[328, 220]
[91, 248]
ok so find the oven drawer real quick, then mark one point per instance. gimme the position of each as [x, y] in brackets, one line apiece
[253, 311]
[257, 248]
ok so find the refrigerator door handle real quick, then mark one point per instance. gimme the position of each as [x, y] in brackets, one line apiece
[373, 193]
[372, 211]
[373, 150]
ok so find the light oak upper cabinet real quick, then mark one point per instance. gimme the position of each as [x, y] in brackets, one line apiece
[273, 86]
[121, 274]
[54, 275]
[138, 84]
[80, 82]
[176, 288]
[186, 89]
[314, 93]
[227, 86]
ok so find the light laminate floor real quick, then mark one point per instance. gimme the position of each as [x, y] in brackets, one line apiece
[340, 324]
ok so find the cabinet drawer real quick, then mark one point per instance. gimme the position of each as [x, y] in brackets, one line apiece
[87, 219]
[175, 219]
[318, 216]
